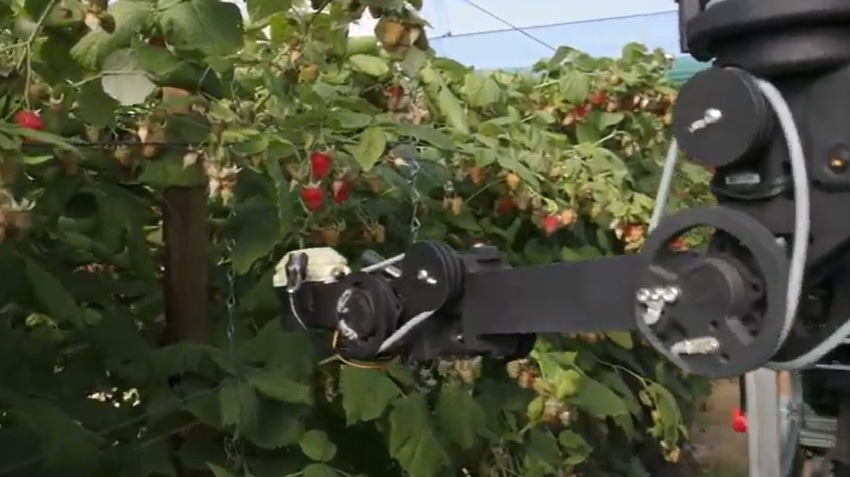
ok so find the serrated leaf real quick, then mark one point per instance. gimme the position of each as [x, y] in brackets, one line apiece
[52, 295]
[598, 400]
[480, 90]
[607, 120]
[453, 110]
[366, 393]
[277, 425]
[94, 106]
[258, 231]
[622, 339]
[319, 470]
[260, 10]
[316, 445]
[278, 386]
[219, 471]
[425, 133]
[577, 449]
[368, 64]
[64, 443]
[370, 148]
[413, 440]
[212, 27]
[238, 404]
[460, 416]
[574, 86]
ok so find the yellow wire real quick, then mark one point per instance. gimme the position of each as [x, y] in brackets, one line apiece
[356, 364]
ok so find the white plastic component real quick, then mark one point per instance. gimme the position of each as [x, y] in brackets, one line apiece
[324, 265]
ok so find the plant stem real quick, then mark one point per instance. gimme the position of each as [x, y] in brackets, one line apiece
[28, 48]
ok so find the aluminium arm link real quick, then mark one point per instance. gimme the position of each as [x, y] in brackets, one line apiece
[772, 117]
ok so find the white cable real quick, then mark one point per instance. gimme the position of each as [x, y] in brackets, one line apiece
[383, 264]
[405, 329]
[802, 220]
[295, 311]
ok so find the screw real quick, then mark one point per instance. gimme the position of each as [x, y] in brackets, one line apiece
[643, 296]
[424, 276]
[709, 117]
[704, 345]
[670, 294]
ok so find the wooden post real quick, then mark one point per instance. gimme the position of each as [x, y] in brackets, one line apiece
[184, 233]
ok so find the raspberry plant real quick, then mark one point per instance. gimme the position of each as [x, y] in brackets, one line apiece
[302, 136]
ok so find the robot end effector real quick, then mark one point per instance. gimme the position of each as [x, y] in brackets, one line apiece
[757, 296]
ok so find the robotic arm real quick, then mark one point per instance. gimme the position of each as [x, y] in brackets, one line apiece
[771, 117]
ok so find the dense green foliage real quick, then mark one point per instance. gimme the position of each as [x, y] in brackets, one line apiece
[123, 103]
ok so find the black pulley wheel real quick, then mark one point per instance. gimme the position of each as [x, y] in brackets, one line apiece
[734, 300]
[367, 313]
[432, 275]
[720, 117]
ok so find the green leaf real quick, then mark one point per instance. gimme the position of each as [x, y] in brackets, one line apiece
[276, 425]
[65, 444]
[94, 106]
[38, 136]
[366, 393]
[168, 171]
[598, 400]
[577, 449]
[425, 133]
[622, 339]
[453, 110]
[574, 86]
[219, 471]
[319, 470]
[52, 295]
[238, 404]
[260, 10]
[480, 90]
[343, 119]
[413, 441]
[370, 148]
[460, 416]
[126, 82]
[607, 120]
[587, 133]
[371, 65]
[258, 231]
[212, 27]
[316, 445]
[278, 386]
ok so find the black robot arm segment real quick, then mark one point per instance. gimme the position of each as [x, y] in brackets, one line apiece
[714, 313]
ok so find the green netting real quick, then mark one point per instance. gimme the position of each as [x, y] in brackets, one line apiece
[683, 68]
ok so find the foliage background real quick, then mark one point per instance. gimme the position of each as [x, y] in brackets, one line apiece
[145, 98]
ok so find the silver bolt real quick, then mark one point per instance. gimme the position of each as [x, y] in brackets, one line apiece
[643, 295]
[424, 276]
[670, 294]
[709, 117]
[704, 345]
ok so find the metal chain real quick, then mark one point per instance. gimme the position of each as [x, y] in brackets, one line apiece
[231, 444]
[414, 167]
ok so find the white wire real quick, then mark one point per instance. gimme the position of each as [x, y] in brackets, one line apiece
[405, 329]
[383, 264]
[295, 311]
[802, 222]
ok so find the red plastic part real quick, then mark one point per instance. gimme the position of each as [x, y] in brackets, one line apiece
[739, 421]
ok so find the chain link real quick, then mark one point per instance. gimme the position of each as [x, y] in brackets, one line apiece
[232, 449]
[413, 165]
[231, 286]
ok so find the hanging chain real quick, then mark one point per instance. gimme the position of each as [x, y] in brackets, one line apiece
[412, 162]
[232, 448]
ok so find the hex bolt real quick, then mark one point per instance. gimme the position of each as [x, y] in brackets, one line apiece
[424, 276]
[703, 345]
[643, 295]
[670, 294]
[709, 117]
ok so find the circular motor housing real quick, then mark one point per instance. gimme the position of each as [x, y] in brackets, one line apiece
[721, 118]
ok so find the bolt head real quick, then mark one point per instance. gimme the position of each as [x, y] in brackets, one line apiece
[643, 295]
[712, 115]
